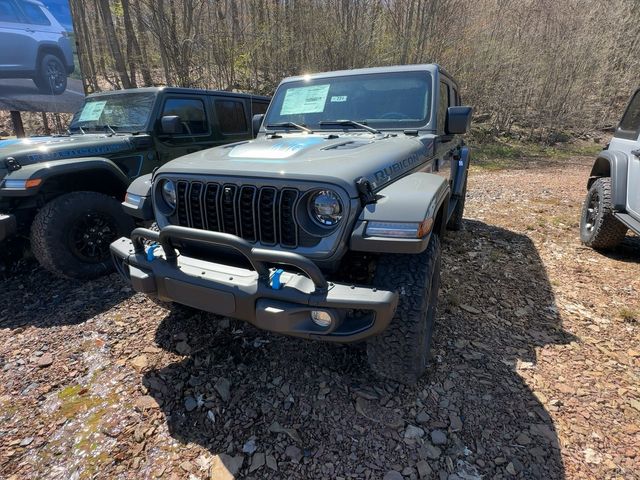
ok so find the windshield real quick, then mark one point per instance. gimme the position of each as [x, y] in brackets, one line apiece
[380, 100]
[122, 112]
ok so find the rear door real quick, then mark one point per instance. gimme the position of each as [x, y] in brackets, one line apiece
[627, 140]
[18, 40]
[232, 115]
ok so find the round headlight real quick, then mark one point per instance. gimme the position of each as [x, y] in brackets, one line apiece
[325, 208]
[168, 190]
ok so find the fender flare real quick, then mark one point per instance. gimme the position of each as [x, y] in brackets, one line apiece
[412, 199]
[461, 172]
[46, 171]
[614, 164]
[137, 202]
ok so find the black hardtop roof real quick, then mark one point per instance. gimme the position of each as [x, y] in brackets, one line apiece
[181, 90]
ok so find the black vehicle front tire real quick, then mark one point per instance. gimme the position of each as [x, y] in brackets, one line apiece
[599, 228]
[51, 77]
[70, 236]
[401, 352]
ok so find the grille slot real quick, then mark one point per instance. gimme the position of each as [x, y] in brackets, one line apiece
[228, 209]
[288, 227]
[257, 214]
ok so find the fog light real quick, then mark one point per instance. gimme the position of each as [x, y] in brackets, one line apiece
[320, 318]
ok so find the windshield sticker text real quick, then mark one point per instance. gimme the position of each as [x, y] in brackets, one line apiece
[92, 111]
[305, 100]
[339, 98]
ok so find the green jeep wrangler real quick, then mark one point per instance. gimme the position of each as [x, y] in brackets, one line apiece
[64, 192]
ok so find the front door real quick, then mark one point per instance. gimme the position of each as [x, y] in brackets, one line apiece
[627, 140]
[196, 134]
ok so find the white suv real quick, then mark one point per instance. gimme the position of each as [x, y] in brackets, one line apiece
[34, 45]
[612, 205]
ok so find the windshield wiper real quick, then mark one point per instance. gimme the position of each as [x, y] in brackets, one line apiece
[351, 123]
[79, 128]
[104, 127]
[290, 125]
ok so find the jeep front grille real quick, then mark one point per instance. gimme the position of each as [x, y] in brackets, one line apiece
[257, 214]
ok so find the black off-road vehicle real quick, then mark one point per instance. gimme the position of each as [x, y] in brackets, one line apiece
[612, 205]
[64, 192]
[328, 225]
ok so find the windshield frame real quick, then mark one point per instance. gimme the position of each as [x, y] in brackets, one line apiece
[272, 116]
[88, 128]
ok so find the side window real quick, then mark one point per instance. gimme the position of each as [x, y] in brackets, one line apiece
[629, 127]
[231, 116]
[259, 107]
[34, 14]
[442, 107]
[9, 12]
[191, 112]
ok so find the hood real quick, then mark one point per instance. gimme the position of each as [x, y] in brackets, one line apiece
[328, 158]
[27, 151]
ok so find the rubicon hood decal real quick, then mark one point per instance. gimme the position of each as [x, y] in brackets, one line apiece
[281, 149]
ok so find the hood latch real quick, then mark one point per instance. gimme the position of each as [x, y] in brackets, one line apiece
[12, 164]
[365, 191]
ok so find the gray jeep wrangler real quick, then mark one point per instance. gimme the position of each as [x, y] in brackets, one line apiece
[612, 205]
[328, 225]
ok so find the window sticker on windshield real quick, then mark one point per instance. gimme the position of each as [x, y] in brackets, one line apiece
[305, 100]
[340, 98]
[92, 111]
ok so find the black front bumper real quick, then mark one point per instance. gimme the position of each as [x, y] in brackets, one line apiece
[252, 295]
[8, 225]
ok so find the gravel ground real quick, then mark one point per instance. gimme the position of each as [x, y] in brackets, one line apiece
[535, 370]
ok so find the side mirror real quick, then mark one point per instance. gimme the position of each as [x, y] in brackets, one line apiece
[458, 120]
[171, 124]
[256, 123]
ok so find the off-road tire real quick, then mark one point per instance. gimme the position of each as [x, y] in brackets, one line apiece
[401, 352]
[455, 222]
[42, 80]
[599, 228]
[50, 233]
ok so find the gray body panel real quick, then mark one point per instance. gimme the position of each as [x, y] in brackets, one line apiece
[312, 157]
[401, 176]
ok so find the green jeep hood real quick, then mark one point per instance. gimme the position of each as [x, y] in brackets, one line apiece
[27, 151]
[328, 158]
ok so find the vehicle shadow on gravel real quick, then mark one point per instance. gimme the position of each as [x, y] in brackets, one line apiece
[628, 251]
[314, 410]
[31, 296]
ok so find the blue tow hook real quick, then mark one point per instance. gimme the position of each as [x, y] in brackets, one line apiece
[152, 248]
[276, 284]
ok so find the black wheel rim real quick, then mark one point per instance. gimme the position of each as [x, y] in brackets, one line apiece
[55, 76]
[592, 211]
[91, 235]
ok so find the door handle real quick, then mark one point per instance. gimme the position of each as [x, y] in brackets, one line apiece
[636, 153]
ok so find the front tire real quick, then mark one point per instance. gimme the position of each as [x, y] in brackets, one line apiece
[51, 78]
[599, 228]
[70, 236]
[401, 352]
